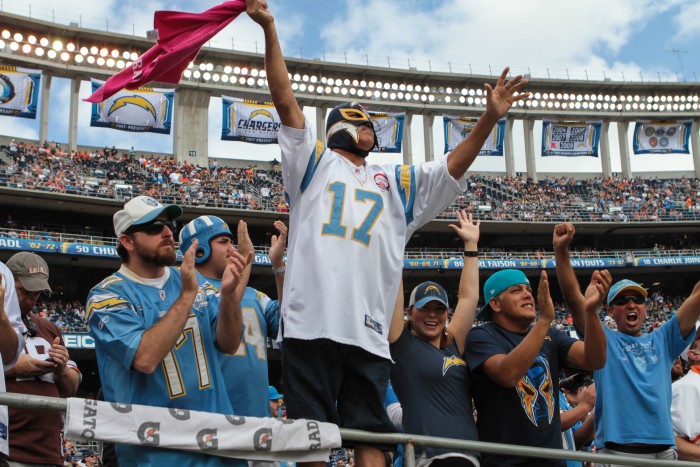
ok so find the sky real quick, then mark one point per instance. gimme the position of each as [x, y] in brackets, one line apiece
[625, 40]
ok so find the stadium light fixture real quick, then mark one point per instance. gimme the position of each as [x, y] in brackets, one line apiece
[39, 51]
[215, 77]
[14, 46]
[2, 44]
[115, 53]
[187, 73]
[399, 95]
[262, 82]
[104, 52]
[196, 74]
[70, 47]
[18, 37]
[202, 66]
[78, 58]
[26, 48]
[134, 56]
[224, 78]
[244, 71]
[206, 76]
[120, 64]
[110, 62]
[6, 34]
[31, 39]
[100, 60]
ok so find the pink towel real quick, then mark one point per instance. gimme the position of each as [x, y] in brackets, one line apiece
[181, 35]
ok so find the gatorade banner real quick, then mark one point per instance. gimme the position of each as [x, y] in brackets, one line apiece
[19, 91]
[458, 128]
[146, 110]
[389, 130]
[662, 137]
[249, 121]
[570, 139]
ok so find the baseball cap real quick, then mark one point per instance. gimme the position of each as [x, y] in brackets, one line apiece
[427, 292]
[142, 210]
[273, 395]
[621, 286]
[87, 453]
[497, 283]
[31, 270]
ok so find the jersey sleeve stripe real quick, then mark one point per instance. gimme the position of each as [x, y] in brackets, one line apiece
[405, 174]
[314, 160]
[105, 304]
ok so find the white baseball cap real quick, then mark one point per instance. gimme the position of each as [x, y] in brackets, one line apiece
[142, 210]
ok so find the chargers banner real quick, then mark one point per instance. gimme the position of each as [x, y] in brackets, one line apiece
[458, 128]
[570, 139]
[146, 110]
[19, 91]
[249, 121]
[662, 137]
[389, 130]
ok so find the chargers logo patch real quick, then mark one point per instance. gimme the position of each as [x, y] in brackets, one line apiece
[449, 362]
[382, 182]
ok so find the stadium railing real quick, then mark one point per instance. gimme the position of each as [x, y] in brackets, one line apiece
[408, 440]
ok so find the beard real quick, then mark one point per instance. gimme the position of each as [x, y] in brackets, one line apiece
[157, 256]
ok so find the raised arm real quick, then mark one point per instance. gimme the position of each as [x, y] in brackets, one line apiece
[498, 102]
[159, 339]
[397, 319]
[229, 328]
[689, 311]
[8, 335]
[276, 254]
[591, 353]
[468, 294]
[277, 75]
[244, 246]
[507, 370]
[563, 234]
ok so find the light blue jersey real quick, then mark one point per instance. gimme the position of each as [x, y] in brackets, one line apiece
[245, 372]
[119, 310]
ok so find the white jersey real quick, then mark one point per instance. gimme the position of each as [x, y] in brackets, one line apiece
[11, 307]
[348, 227]
[684, 406]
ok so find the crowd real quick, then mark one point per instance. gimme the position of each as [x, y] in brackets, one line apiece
[110, 173]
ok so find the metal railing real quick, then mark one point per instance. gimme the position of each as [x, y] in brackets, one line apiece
[408, 440]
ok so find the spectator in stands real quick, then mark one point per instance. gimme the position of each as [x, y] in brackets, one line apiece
[138, 315]
[638, 366]
[678, 369]
[515, 364]
[576, 402]
[684, 405]
[11, 342]
[384, 211]
[245, 372]
[276, 400]
[89, 459]
[44, 368]
[429, 375]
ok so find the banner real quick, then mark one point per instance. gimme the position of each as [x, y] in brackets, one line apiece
[146, 110]
[19, 91]
[668, 261]
[389, 130]
[249, 121]
[458, 128]
[570, 139]
[662, 137]
[595, 263]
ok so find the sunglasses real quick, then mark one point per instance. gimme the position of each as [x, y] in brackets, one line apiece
[623, 300]
[152, 228]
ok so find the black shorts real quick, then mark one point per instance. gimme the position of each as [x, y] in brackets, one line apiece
[318, 373]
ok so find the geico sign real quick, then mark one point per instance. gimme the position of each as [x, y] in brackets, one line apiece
[79, 341]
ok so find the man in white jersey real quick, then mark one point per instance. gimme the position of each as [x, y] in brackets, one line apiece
[349, 223]
[684, 408]
[12, 332]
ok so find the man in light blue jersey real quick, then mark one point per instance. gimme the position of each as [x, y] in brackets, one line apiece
[156, 333]
[245, 372]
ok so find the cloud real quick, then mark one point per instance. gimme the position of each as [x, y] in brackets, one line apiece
[688, 21]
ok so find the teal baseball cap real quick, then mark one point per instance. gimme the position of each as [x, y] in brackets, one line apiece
[497, 283]
[625, 284]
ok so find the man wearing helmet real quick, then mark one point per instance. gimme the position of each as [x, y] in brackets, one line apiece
[245, 372]
[349, 223]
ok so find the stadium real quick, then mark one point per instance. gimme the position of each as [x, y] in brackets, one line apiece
[58, 197]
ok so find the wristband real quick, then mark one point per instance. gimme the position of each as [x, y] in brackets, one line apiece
[279, 270]
[471, 253]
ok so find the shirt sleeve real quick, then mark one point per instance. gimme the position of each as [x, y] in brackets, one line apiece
[675, 341]
[272, 314]
[426, 190]
[114, 324]
[301, 155]
[11, 307]
[480, 347]
[563, 343]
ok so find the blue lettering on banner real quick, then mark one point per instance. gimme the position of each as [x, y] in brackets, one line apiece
[680, 261]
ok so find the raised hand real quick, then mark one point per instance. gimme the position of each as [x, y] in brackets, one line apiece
[544, 299]
[187, 270]
[502, 97]
[233, 272]
[59, 355]
[597, 290]
[467, 230]
[259, 12]
[563, 234]
[245, 244]
[279, 243]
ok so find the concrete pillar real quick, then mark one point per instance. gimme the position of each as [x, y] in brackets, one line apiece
[73, 115]
[695, 144]
[428, 136]
[624, 149]
[605, 149]
[44, 114]
[406, 146]
[528, 130]
[191, 127]
[321, 123]
[508, 148]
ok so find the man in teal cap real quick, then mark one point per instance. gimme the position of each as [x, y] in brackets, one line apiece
[515, 364]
